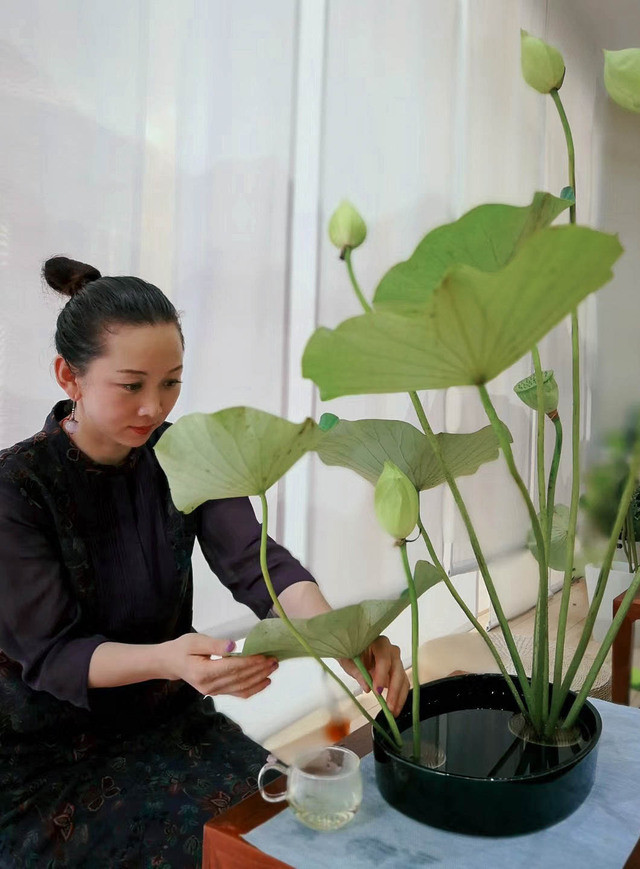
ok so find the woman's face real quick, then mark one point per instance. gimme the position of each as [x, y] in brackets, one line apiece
[128, 391]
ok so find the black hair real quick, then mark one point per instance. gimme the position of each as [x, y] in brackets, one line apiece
[96, 304]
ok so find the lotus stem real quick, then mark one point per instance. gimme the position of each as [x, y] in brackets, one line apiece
[477, 551]
[539, 683]
[415, 676]
[482, 564]
[564, 687]
[553, 473]
[610, 636]
[571, 154]
[285, 618]
[542, 505]
[354, 282]
[626, 548]
[575, 440]
[393, 724]
[540, 631]
[573, 517]
[631, 538]
[472, 618]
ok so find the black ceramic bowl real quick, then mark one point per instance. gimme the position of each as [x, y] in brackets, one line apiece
[490, 782]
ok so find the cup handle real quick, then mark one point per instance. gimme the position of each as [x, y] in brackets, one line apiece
[269, 765]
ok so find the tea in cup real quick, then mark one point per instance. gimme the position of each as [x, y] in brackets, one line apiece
[324, 787]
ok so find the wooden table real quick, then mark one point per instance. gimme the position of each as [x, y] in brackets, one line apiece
[224, 847]
[623, 651]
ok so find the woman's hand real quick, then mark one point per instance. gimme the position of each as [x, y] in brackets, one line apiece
[382, 660]
[189, 658]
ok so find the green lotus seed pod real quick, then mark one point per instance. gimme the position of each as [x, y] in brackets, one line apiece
[346, 227]
[622, 77]
[542, 64]
[527, 391]
[396, 502]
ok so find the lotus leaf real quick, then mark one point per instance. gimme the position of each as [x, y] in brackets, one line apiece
[487, 237]
[364, 446]
[236, 451]
[475, 325]
[341, 633]
[559, 534]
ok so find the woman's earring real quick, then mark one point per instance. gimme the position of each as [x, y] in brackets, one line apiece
[71, 424]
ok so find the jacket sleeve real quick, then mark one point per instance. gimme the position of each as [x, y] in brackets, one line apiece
[39, 618]
[229, 535]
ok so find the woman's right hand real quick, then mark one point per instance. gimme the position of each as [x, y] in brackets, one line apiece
[189, 658]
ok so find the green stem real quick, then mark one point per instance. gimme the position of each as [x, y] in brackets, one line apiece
[625, 542]
[539, 676]
[610, 636]
[556, 701]
[415, 676]
[565, 686]
[553, 473]
[296, 633]
[484, 570]
[541, 641]
[393, 724]
[551, 497]
[571, 154]
[629, 539]
[472, 618]
[540, 439]
[475, 545]
[354, 283]
[573, 521]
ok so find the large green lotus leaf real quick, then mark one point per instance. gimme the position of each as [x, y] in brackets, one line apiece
[487, 237]
[341, 633]
[365, 445]
[236, 451]
[559, 535]
[475, 325]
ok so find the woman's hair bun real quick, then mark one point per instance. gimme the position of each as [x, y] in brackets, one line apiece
[68, 276]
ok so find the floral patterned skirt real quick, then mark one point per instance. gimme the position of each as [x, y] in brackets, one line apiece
[128, 799]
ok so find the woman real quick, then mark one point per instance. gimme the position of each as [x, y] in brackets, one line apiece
[109, 755]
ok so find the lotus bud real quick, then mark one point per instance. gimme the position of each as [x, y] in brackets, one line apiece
[527, 390]
[542, 64]
[622, 77]
[346, 227]
[396, 502]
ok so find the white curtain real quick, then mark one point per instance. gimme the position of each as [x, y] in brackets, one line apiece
[203, 146]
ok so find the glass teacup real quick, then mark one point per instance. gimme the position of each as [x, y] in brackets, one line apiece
[324, 787]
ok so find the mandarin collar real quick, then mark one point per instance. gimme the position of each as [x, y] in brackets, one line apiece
[64, 446]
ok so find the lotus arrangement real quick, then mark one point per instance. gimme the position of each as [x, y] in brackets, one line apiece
[476, 296]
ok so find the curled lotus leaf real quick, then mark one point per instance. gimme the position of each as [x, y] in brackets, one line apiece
[341, 633]
[559, 537]
[487, 238]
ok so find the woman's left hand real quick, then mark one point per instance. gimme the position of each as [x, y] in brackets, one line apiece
[382, 660]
